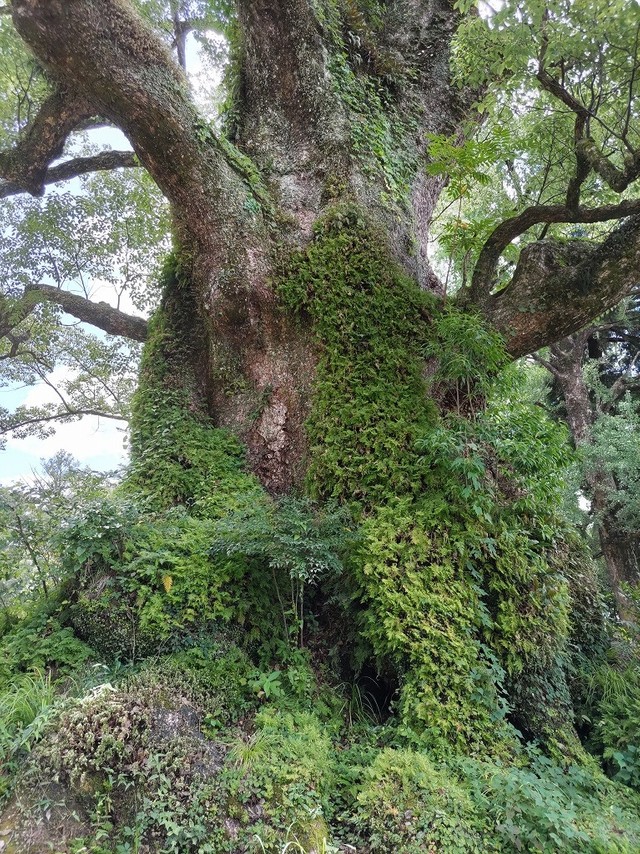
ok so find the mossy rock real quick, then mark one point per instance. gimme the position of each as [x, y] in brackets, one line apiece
[106, 617]
[164, 756]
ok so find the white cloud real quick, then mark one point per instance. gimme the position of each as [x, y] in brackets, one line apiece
[97, 442]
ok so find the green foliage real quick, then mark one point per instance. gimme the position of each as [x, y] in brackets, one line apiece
[26, 705]
[38, 643]
[615, 450]
[459, 512]
[31, 515]
[517, 157]
[177, 457]
[145, 768]
[287, 766]
[145, 581]
[618, 731]
[466, 163]
[191, 540]
[131, 760]
[216, 677]
[546, 807]
[288, 538]
[422, 611]
[175, 759]
[468, 357]
[185, 461]
[608, 707]
[366, 77]
[406, 806]
[103, 241]
[370, 322]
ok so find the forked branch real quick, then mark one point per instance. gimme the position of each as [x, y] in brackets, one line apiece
[26, 164]
[102, 162]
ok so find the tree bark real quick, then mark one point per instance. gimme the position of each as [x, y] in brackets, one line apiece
[559, 287]
[618, 549]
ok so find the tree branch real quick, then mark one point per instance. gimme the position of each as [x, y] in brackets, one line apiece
[68, 413]
[617, 179]
[27, 163]
[507, 231]
[545, 363]
[105, 49]
[626, 382]
[558, 91]
[110, 320]
[102, 162]
[559, 287]
[587, 154]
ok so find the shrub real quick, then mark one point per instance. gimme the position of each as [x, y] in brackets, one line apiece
[406, 806]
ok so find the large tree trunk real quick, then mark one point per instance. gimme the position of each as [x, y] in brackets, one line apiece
[304, 111]
[330, 105]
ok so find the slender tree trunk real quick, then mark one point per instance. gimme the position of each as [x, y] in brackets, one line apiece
[618, 552]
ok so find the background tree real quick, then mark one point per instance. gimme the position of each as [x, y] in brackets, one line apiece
[32, 516]
[595, 379]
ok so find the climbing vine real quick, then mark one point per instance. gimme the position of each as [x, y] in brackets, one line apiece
[453, 580]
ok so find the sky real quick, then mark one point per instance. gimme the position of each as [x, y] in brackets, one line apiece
[96, 442]
[99, 443]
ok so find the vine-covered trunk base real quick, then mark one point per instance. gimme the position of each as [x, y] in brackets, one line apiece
[452, 582]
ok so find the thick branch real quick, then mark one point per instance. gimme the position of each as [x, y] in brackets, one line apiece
[559, 287]
[128, 74]
[102, 162]
[130, 78]
[507, 231]
[103, 316]
[26, 164]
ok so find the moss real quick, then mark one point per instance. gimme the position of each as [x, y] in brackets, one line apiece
[286, 768]
[177, 456]
[366, 79]
[452, 585]
[371, 322]
[108, 618]
[406, 806]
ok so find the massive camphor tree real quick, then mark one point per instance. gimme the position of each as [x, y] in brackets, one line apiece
[303, 311]
[330, 105]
